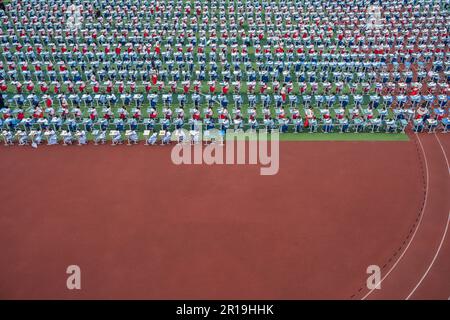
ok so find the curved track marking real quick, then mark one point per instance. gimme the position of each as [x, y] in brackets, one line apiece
[443, 236]
[432, 261]
[443, 152]
[418, 224]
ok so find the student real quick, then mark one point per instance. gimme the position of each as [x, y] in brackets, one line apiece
[152, 139]
[297, 120]
[117, 138]
[391, 125]
[52, 138]
[98, 13]
[81, 137]
[237, 118]
[432, 124]
[166, 138]
[133, 137]
[225, 125]
[100, 137]
[446, 123]
[344, 123]
[309, 116]
[8, 137]
[36, 138]
[67, 138]
[253, 123]
[423, 112]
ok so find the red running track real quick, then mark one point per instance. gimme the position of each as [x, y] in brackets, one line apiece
[141, 227]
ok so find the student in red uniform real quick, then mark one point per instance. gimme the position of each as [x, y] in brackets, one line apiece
[212, 87]
[109, 86]
[148, 87]
[81, 87]
[225, 89]
[3, 86]
[186, 86]
[48, 102]
[43, 87]
[30, 86]
[96, 87]
[56, 88]
[121, 87]
[132, 87]
[154, 114]
[197, 86]
[20, 115]
[196, 114]
[93, 114]
[158, 49]
[263, 88]
[283, 93]
[118, 50]
[18, 87]
[6, 113]
[137, 113]
[108, 115]
[70, 87]
[173, 86]
[154, 78]
[123, 113]
[37, 113]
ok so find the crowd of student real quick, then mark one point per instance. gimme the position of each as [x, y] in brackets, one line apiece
[290, 65]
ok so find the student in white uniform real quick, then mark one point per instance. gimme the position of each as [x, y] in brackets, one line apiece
[81, 137]
[117, 138]
[52, 138]
[133, 137]
[8, 137]
[166, 138]
[100, 137]
[152, 139]
[67, 138]
[36, 138]
[22, 137]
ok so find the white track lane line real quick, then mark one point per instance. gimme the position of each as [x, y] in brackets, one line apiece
[432, 261]
[443, 236]
[418, 224]
[443, 152]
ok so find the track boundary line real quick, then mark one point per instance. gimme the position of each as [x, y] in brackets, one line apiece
[418, 223]
[432, 261]
[443, 152]
[443, 236]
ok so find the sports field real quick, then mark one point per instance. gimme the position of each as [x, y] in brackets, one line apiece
[94, 97]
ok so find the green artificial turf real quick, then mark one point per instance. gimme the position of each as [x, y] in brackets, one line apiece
[344, 137]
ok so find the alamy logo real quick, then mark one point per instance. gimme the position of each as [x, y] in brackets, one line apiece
[74, 280]
[233, 147]
[374, 280]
